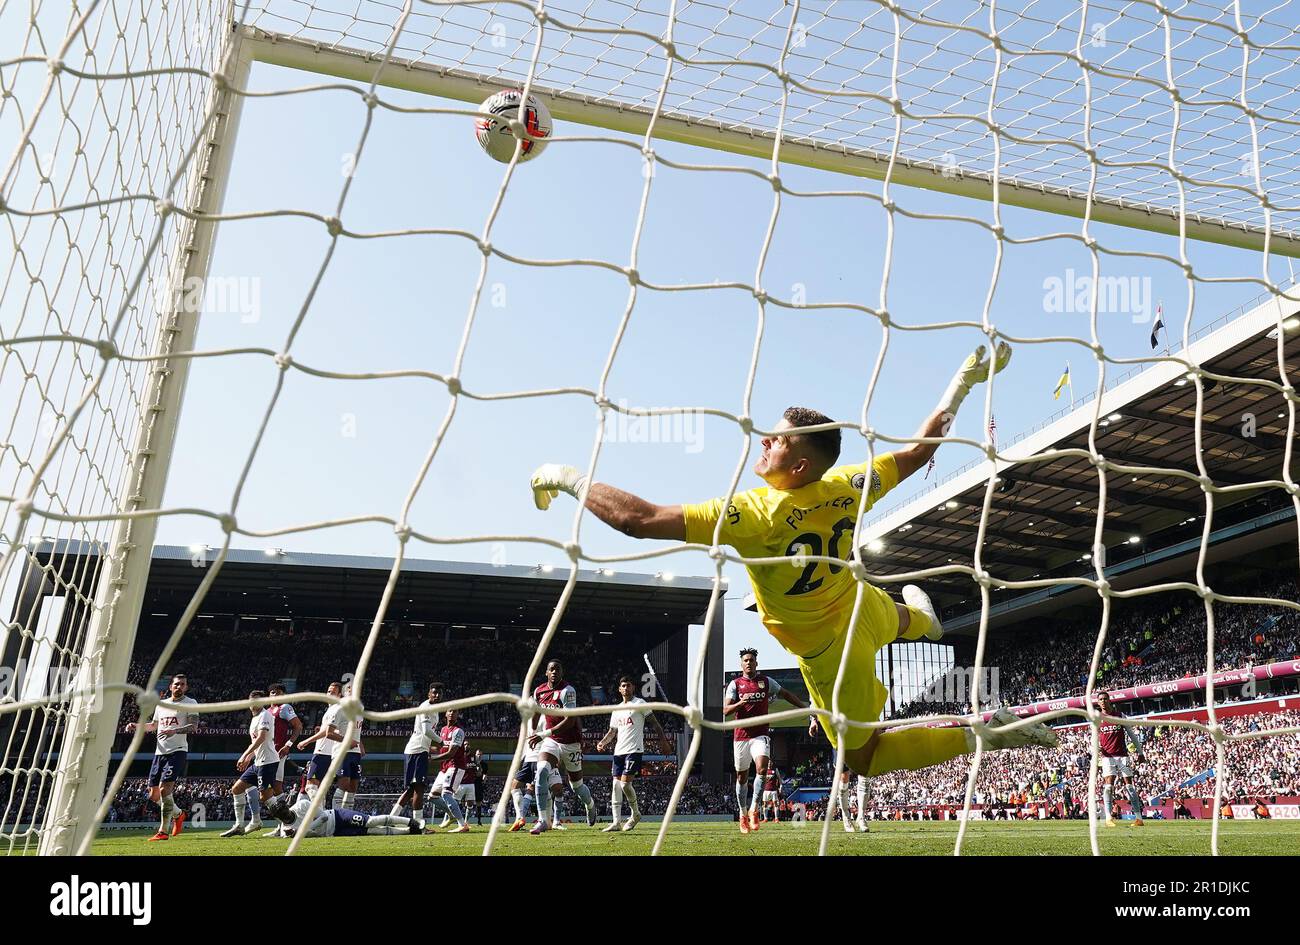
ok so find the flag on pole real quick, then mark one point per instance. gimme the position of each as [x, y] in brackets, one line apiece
[929, 468]
[993, 430]
[1159, 324]
[1060, 385]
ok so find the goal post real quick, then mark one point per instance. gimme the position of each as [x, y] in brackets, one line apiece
[73, 811]
[457, 84]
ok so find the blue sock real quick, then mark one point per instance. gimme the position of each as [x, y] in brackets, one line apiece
[450, 800]
[542, 789]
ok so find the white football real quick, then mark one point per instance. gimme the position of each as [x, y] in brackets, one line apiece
[493, 129]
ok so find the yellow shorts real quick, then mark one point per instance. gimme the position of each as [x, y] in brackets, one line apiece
[863, 696]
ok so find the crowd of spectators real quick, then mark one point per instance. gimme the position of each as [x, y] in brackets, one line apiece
[1148, 639]
[210, 796]
[1172, 757]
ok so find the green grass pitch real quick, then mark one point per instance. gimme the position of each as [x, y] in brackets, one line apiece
[1053, 838]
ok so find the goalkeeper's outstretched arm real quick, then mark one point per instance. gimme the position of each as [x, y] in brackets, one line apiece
[974, 370]
[630, 514]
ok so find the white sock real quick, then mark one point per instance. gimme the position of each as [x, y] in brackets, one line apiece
[616, 800]
[584, 795]
[862, 798]
[168, 813]
[629, 792]
[241, 806]
[842, 796]
[542, 789]
[741, 803]
[254, 806]
[526, 806]
[517, 798]
[396, 810]
[1106, 800]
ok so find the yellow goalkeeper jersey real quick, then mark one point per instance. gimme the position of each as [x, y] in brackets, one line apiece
[804, 606]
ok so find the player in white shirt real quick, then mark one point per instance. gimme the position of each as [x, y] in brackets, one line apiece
[171, 755]
[340, 821]
[328, 739]
[258, 765]
[627, 734]
[349, 779]
[424, 738]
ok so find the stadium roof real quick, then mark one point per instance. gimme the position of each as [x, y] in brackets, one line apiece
[1043, 513]
[349, 587]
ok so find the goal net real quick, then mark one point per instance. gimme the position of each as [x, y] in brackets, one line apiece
[1175, 119]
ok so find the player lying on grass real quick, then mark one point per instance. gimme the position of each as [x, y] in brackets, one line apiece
[809, 507]
[338, 822]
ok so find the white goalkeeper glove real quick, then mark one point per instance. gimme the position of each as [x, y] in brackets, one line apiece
[974, 370]
[552, 478]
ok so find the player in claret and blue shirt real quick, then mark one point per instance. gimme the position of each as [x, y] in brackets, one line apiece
[749, 696]
[1115, 760]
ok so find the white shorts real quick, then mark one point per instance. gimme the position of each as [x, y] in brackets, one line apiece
[448, 780]
[749, 750]
[1122, 766]
[569, 755]
[466, 792]
[769, 797]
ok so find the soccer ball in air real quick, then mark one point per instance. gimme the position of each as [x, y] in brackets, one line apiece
[493, 129]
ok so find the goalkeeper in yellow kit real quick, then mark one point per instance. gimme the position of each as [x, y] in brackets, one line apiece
[808, 508]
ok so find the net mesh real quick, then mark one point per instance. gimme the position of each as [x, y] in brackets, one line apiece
[1081, 89]
[1187, 110]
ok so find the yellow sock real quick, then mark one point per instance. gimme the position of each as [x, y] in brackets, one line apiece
[917, 748]
[918, 624]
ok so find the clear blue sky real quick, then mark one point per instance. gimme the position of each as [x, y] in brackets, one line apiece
[402, 303]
